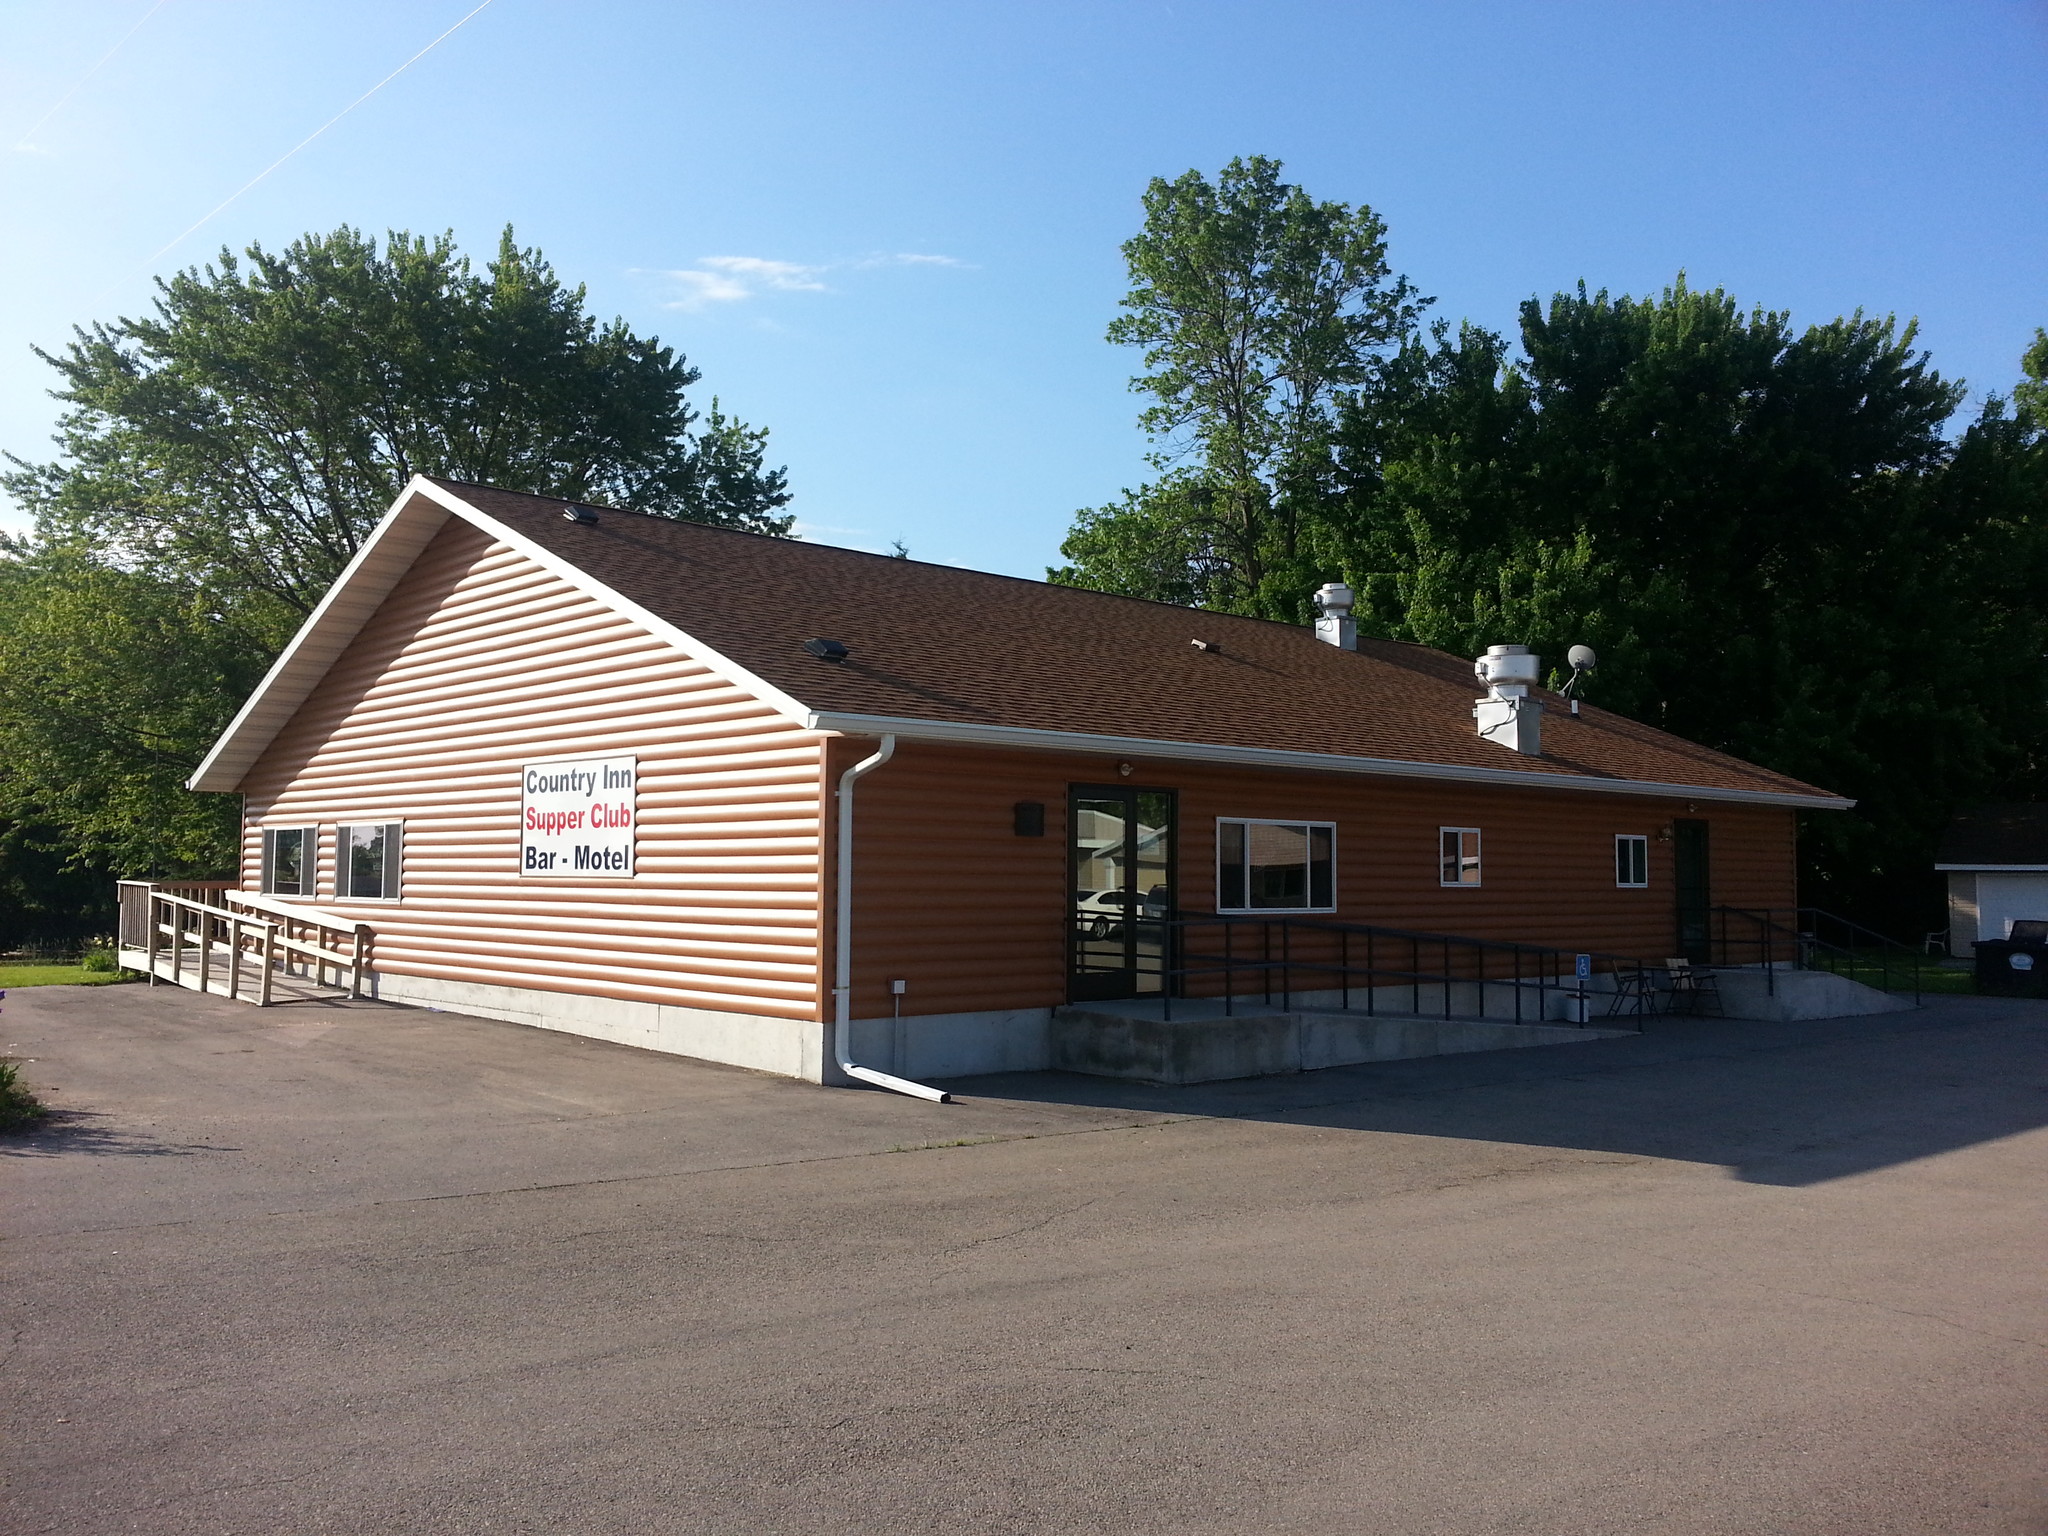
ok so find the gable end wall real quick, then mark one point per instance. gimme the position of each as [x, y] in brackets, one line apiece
[480, 661]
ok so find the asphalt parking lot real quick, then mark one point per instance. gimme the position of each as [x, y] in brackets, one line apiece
[365, 1269]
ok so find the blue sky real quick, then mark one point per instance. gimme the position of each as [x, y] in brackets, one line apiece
[888, 232]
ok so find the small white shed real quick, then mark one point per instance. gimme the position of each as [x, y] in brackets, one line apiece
[1996, 860]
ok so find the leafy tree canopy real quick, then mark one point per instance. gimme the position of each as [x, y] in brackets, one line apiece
[1257, 308]
[223, 458]
[252, 430]
[1767, 532]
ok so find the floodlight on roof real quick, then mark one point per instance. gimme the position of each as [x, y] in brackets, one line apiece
[576, 514]
[827, 650]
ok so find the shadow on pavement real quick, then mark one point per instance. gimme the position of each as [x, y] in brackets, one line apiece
[72, 1131]
[1788, 1104]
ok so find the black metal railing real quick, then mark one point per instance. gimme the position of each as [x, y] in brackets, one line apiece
[1236, 959]
[1808, 939]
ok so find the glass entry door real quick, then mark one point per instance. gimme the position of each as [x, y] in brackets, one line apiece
[1120, 852]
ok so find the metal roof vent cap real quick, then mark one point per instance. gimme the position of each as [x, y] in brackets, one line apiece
[1507, 715]
[1334, 624]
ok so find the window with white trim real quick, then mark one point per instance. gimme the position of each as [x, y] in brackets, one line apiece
[1275, 866]
[1631, 861]
[366, 861]
[1457, 855]
[291, 858]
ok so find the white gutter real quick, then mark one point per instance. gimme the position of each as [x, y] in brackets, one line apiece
[1038, 739]
[842, 956]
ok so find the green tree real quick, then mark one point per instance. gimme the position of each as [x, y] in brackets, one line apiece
[251, 431]
[1258, 308]
[224, 457]
[2031, 393]
[1762, 530]
[113, 683]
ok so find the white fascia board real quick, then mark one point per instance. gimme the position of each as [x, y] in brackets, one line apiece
[386, 555]
[1312, 762]
[589, 585]
[1992, 869]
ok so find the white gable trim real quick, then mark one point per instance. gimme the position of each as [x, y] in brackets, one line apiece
[420, 511]
[386, 555]
[1277, 757]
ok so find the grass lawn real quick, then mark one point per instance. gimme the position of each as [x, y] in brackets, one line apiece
[1934, 979]
[55, 976]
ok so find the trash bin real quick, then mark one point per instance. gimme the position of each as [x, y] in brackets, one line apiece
[2016, 966]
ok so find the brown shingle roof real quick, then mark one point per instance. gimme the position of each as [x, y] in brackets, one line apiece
[936, 643]
[1990, 835]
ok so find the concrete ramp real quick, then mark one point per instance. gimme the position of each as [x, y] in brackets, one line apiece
[1204, 1046]
[1782, 997]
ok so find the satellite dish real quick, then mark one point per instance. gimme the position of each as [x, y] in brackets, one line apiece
[1582, 659]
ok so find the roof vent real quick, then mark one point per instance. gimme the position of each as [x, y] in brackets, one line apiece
[1336, 626]
[577, 514]
[827, 650]
[1507, 715]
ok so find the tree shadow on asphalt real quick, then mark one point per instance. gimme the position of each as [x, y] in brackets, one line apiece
[1785, 1104]
[80, 1132]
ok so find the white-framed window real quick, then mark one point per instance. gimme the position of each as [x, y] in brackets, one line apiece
[1457, 855]
[1631, 861]
[1275, 866]
[366, 860]
[291, 860]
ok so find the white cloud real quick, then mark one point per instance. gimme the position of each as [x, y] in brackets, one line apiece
[701, 288]
[769, 274]
[909, 259]
[729, 279]
[733, 279]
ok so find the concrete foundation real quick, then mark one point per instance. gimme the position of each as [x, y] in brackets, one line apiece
[1106, 1040]
[1304, 1032]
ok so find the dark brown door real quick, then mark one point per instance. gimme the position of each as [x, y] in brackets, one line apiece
[1120, 853]
[1694, 884]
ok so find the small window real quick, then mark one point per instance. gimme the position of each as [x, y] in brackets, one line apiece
[366, 861]
[1458, 855]
[1276, 866]
[1631, 861]
[289, 857]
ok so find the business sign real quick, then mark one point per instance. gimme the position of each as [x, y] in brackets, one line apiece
[576, 817]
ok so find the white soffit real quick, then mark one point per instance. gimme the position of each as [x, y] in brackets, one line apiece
[1992, 869]
[1311, 762]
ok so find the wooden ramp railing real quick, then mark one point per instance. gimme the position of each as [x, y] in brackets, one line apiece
[211, 937]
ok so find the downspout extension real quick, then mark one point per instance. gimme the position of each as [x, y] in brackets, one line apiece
[842, 949]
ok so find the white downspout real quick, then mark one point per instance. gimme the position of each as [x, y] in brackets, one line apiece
[842, 968]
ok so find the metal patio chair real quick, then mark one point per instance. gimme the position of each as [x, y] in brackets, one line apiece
[1694, 989]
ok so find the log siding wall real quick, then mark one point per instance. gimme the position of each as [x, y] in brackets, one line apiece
[480, 661]
[949, 899]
